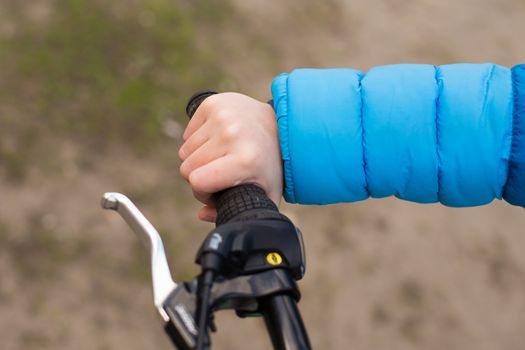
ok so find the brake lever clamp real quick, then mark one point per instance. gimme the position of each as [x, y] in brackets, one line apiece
[248, 247]
[253, 260]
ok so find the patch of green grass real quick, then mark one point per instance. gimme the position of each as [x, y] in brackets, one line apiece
[103, 72]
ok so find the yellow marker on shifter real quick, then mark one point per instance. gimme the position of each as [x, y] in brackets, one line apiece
[274, 259]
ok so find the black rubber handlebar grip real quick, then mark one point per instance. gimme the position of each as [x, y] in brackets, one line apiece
[195, 101]
[239, 201]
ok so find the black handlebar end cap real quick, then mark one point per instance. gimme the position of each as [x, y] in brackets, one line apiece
[196, 99]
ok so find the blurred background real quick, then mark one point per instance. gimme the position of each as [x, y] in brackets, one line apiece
[92, 97]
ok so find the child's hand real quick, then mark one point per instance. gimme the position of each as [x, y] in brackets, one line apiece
[231, 139]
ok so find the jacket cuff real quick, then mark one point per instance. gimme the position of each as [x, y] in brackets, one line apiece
[280, 105]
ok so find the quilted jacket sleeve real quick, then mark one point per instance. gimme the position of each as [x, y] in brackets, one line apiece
[453, 134]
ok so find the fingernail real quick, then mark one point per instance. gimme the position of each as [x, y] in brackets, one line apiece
[209, 218]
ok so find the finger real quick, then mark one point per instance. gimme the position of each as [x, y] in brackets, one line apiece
[196, 140]
[216, 175]
[202, 156]
[204, 198]
[208, 213]
[198, 119]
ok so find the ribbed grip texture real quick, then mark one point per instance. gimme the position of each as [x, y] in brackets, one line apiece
[237, 200]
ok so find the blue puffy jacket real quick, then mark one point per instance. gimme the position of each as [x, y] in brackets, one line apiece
[453, 134]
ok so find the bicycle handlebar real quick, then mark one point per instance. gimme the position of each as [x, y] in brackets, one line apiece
[284, 323]
[249, 262]
[248, 202]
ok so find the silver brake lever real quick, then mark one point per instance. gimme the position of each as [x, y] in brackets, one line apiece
[163, 283]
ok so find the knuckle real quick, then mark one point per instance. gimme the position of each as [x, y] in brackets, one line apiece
[185, 170]
[182, 153]
[208, 104]
[248, 158]
[196, 183]
[208, 109]
[231, 132]
[220, 115]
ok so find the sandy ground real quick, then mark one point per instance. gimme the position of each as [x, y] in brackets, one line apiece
[382, 274]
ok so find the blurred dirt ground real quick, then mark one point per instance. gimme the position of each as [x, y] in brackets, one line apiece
[382, 274]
